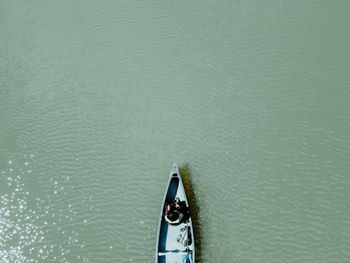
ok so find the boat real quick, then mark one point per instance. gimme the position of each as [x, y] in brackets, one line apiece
[175, 242]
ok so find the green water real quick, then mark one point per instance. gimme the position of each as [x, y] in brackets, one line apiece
[98, 99]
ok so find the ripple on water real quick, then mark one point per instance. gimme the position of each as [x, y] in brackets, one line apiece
[29, 223]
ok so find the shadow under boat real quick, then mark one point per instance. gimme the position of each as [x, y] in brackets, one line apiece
[186, 175]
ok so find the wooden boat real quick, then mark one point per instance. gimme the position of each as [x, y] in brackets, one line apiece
[175, 242]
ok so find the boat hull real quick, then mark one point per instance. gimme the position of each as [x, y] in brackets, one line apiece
[175, 243]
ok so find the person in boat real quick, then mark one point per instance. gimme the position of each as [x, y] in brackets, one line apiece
[176, 212]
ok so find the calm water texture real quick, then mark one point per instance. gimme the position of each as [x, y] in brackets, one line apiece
[99, 99]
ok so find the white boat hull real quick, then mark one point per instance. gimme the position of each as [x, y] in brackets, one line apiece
[174, 242]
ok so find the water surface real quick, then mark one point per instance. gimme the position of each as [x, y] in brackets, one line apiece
[99, 100]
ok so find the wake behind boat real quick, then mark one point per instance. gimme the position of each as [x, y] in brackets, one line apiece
[175, 240]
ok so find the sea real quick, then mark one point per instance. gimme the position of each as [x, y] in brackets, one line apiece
[98, 99]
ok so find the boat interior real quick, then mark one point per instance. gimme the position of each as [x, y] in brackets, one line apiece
[173, 239]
